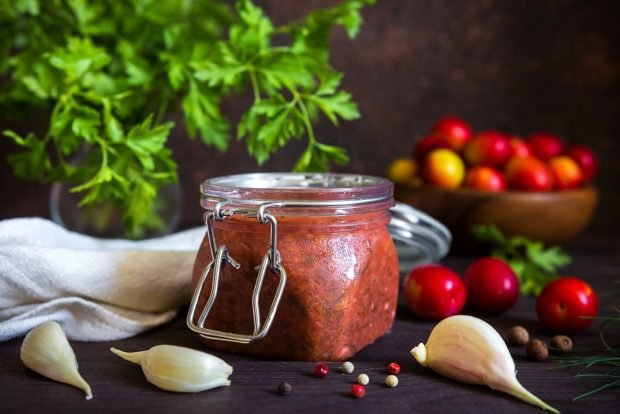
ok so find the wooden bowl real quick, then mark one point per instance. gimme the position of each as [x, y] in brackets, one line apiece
[551, 217]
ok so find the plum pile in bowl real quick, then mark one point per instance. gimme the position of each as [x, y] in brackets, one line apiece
[537, 186]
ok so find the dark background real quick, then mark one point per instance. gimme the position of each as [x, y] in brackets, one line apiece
[520, 66]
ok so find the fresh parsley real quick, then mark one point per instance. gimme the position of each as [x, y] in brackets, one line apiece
[107, 73]
[534, 264]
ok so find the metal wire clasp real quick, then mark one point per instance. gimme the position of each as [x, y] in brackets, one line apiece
[221, 257]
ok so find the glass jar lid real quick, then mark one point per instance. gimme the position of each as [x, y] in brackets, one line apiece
[299, 193]
[419, 238]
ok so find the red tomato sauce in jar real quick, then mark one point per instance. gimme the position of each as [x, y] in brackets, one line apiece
[341, 265]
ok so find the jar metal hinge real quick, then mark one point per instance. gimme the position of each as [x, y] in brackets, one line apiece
[221, 258]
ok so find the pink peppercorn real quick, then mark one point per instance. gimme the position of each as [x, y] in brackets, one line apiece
[393, 368]
[358, 390]
[321, 370]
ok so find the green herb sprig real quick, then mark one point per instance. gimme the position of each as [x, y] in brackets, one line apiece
[606, 361]
[108, 72]
[534, 264]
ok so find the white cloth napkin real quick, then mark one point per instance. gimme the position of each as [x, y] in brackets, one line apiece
[98, 290]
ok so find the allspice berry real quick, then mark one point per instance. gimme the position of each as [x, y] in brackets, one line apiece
[537, 350]
[518, 335]
[561, 342]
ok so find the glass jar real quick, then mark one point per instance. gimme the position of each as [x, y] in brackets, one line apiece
[295, 266]
[105, 219]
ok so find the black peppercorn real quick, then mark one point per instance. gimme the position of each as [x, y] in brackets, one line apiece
[537, 350]
[284, 388]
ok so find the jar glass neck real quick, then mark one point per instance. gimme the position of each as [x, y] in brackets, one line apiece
[297, 194]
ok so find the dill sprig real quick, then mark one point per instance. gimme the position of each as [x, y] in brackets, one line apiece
[607, 360]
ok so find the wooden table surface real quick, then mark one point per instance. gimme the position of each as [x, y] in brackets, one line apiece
[119, 386]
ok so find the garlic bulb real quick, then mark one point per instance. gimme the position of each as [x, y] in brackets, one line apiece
[180, 369]
[47, 351]
[468, 349]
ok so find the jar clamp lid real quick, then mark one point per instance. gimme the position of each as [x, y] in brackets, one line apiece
[418, 237]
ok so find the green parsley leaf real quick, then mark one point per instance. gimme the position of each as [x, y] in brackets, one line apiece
[534, 264]
[317, 157]
[202, 113]
[33, 162]
[139, 205]
[27, 7]
[38, 78]
[252, 33]
[90, 18]
[227, 72]
[547, 259]
[290, 70]
[313, 33]
[113, 127]
[85, 123]
[78, 57]
[176, 73]
[337, 105]
[145, 140]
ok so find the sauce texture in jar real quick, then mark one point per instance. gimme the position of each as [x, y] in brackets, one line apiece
[332, 241]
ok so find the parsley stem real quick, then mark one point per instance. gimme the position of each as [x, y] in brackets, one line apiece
[307, 121]
[161, 110]
[255, 87]
[59, 104]
[104, 152]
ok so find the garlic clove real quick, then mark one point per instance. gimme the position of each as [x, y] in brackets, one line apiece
[468, 349]
[180, 369]
[47, 351]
